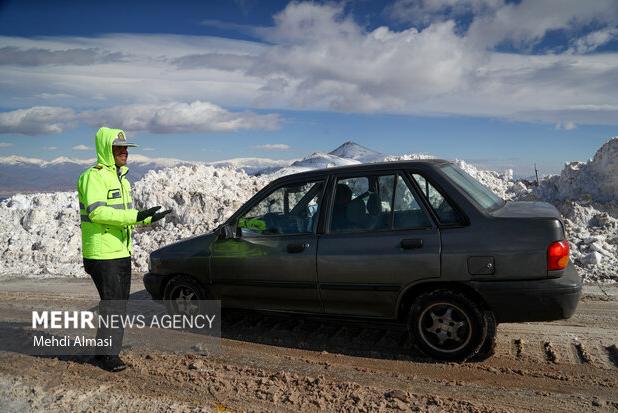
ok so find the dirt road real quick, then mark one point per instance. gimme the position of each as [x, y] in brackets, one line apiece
[283, 363]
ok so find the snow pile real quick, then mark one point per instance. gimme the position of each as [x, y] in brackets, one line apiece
[593, 236]
[595, 180]
[408, 157]
[40, 235]
[252, 166]
[500, 183]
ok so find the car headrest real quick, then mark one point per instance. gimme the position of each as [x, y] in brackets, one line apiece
[343, 194]
[355, 211]
[374, 205]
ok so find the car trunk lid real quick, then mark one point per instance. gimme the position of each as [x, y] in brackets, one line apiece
[527, 209]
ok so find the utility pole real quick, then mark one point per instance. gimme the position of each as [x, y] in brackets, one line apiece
[536, 173]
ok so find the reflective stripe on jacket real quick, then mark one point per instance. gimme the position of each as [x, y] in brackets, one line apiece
[105, 204]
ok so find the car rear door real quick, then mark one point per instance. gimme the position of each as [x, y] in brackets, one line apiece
[375, 242]
[272, 263]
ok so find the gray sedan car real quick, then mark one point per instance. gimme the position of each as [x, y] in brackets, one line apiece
[421, 242]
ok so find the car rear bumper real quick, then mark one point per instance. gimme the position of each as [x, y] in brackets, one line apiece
[532, 300]
[155, 285]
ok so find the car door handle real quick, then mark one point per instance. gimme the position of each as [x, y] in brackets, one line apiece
[412, 243]
[295, 248]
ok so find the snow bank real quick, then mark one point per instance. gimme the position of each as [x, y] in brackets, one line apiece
[595, 180]
[593, 237]
[40, 235]
[500, 183]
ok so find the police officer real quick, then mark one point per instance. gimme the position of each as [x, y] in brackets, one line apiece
[107, 219]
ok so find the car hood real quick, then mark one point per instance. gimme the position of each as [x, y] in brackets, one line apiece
[527, 209]
[197, 246]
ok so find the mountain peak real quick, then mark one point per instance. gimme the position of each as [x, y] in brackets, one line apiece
[352, 150]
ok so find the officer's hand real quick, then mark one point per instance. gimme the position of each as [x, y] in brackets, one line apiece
[160, 215]
[142, 215]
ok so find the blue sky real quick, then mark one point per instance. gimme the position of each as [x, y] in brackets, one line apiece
[504, 84]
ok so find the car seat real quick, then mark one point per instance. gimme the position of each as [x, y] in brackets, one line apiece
[356, 214]
[377, 219]
[343, 195]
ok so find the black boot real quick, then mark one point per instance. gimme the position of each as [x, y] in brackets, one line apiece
[112, 363]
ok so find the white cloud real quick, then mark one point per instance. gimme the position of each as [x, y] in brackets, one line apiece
[11, 55]
[221, 61]
[179, 118]
[37, 120]
[316, 57]
[81, 148]
[592, 41]
[274, 147]
[5, 144]
[334, 65]
[51, 148]
[168, 118]
[424, 12]
[528, 21]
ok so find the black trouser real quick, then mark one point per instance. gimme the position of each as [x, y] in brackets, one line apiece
[113, 281]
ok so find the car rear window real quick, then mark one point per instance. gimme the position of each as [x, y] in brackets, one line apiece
[444, 210]
[475, 190]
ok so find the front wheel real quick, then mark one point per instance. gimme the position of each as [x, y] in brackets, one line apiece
[183, 295]
[447, 325]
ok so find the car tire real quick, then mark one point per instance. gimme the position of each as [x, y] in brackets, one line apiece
[183, 295]
[447, 325]
[488, 348]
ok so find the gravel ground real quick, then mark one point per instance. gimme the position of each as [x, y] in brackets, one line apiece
[288, 364]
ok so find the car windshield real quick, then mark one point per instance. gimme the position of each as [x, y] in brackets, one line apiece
[479, 193]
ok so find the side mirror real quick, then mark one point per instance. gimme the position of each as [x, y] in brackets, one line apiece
[230, 231]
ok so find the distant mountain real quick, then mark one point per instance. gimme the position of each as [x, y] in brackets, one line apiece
[316, 160]
[252, 166]
[351, 150]
[27, 175]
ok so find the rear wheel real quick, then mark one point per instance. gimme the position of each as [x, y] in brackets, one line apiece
[488, 348]
[183, 295]
[447, 325]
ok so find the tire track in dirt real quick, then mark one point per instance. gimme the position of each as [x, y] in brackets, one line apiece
[612, 354]
[303, 363]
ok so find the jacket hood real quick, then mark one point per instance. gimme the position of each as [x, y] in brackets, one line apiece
[103, 141]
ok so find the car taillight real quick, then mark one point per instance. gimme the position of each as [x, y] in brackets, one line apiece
[558, 255]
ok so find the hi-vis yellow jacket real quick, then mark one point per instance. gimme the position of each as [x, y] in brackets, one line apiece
[105, 204]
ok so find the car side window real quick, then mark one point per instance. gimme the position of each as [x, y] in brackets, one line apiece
[443, 209]
[291, 209]
[408, 212]
[362, 203]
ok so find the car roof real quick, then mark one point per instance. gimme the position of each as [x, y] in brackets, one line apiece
[364, 167]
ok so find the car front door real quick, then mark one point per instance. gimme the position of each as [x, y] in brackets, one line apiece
[271, 264]
[378, 239]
